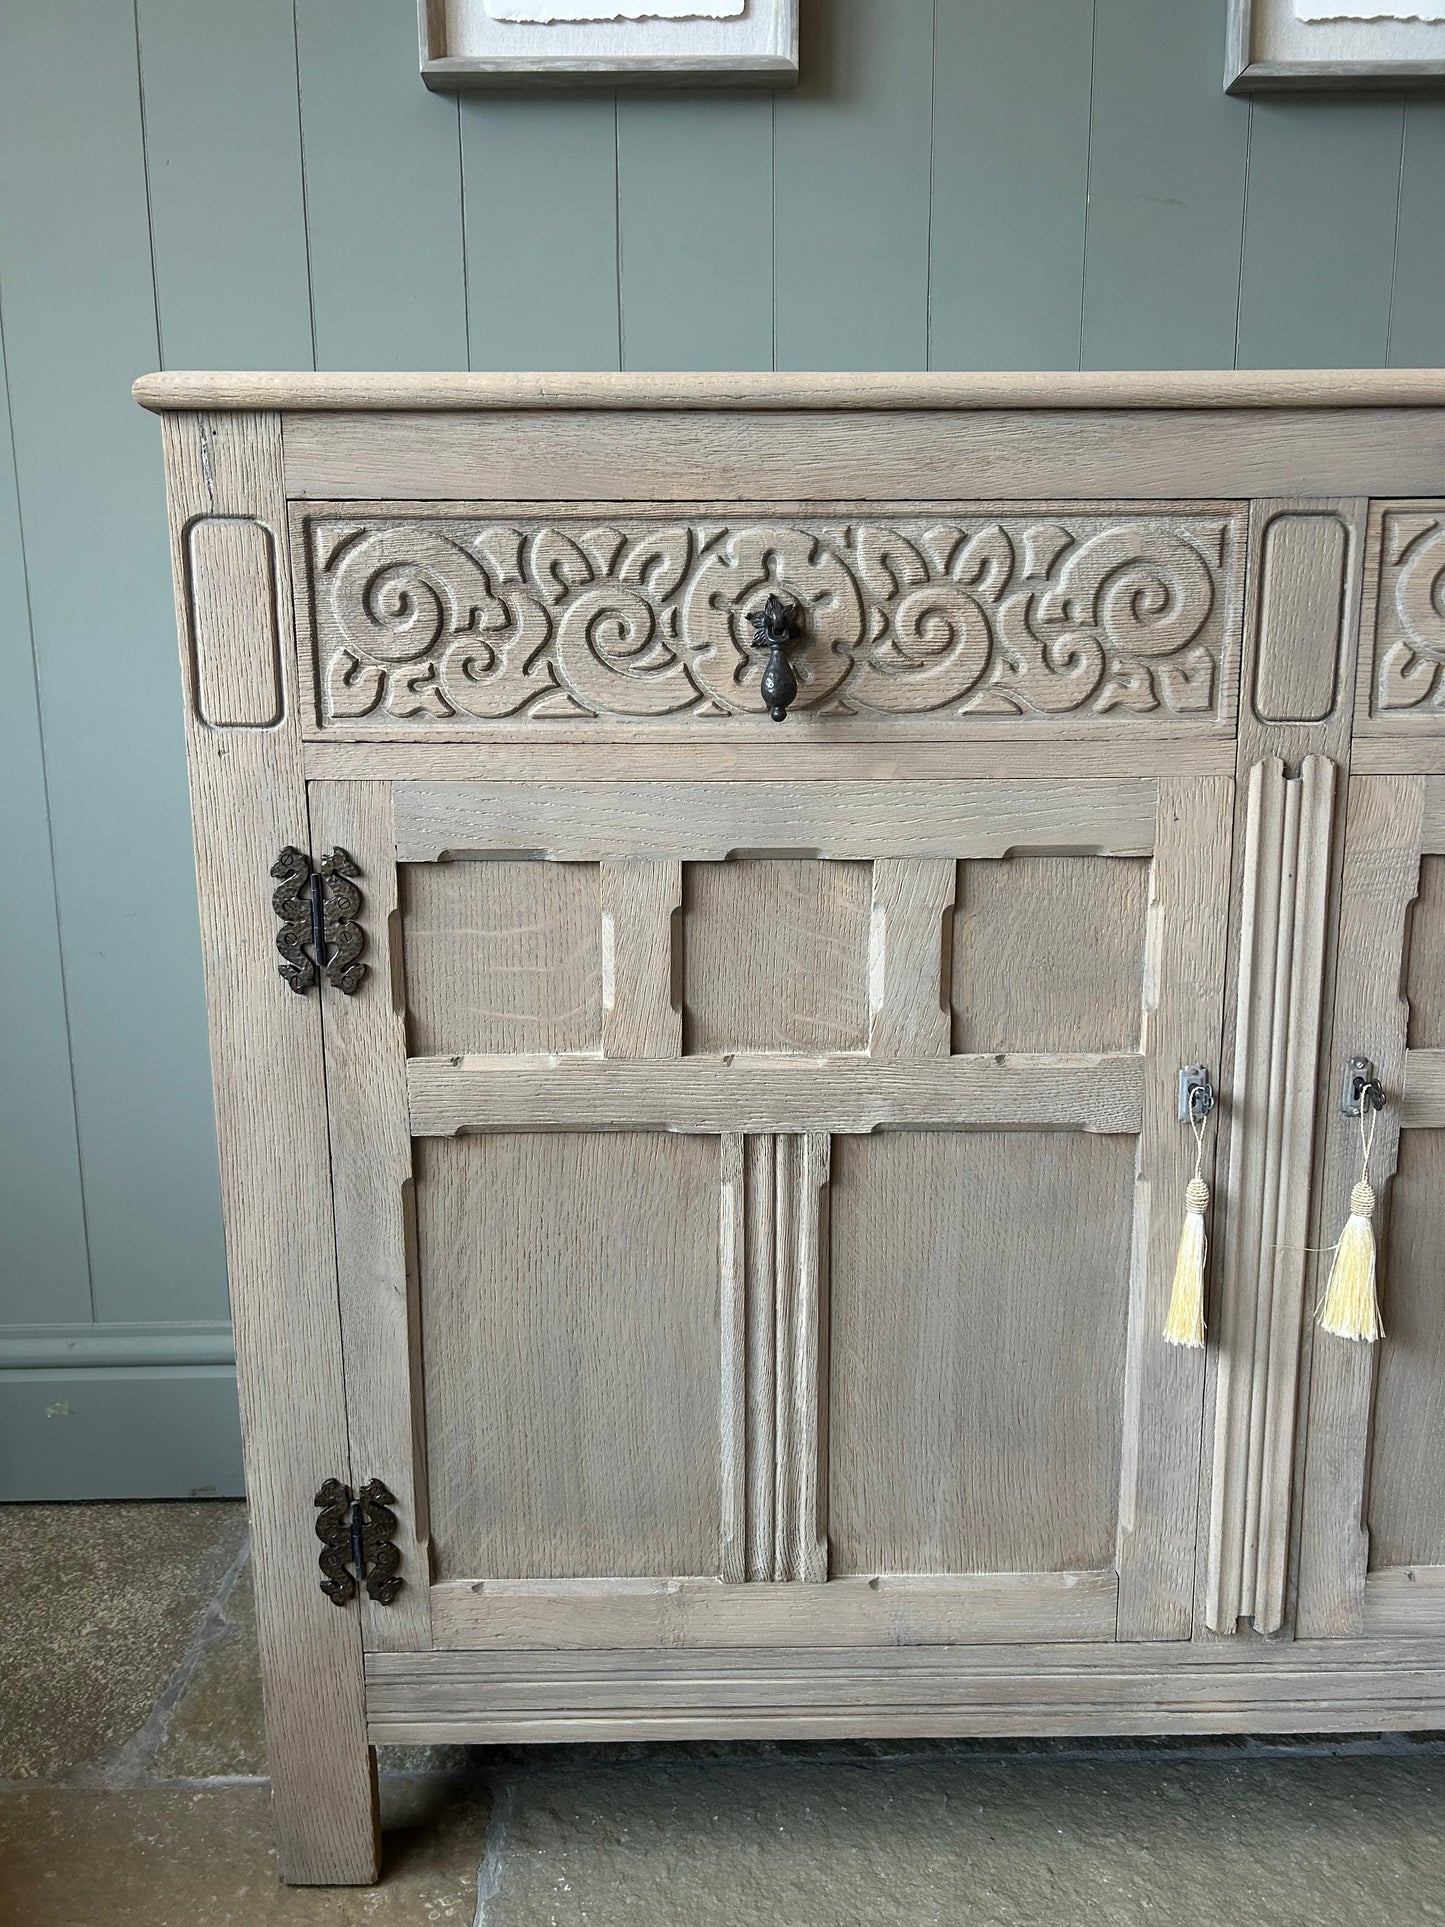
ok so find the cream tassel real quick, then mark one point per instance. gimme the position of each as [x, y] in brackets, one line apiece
[1351, 1308]
[1185, 1323]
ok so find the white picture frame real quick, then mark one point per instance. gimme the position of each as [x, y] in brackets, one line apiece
[1271, 50]
[465, 47]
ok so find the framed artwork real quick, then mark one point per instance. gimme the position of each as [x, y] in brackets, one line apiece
[1282, 45]
[567, 43]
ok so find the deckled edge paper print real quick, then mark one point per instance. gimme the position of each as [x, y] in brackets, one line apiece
[547, 12]
[1318, 10]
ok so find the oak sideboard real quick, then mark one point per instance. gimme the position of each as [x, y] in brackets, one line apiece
[702, 1190]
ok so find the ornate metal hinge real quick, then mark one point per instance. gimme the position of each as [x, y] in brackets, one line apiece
[319, 932]
[356, 1543]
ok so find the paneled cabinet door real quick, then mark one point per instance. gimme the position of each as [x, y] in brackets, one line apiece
[756, 1205]
[1372, 1543]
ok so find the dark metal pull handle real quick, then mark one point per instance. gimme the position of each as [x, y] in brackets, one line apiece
[775, 625]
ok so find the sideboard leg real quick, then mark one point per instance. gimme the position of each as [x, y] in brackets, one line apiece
[228, 531]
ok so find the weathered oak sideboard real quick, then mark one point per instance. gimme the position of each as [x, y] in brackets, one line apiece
[702, 1191]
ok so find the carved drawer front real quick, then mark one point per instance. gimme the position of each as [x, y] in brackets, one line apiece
[1402, 653]
[460, 618]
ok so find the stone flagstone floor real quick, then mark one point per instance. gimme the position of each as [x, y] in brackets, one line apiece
[133, 1794]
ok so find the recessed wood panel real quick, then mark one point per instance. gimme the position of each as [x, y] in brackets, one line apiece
[775, 955]
[1048, 953]
[570, 1327]
[1300, 617]
[502, 956]
[979, 1297]
[1405, 1509]
[1425, 974]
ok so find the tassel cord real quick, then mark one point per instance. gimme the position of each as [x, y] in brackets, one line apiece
[1184, 1324]
[1349, 1307]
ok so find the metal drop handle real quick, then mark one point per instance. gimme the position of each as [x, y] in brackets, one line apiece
[775, 625]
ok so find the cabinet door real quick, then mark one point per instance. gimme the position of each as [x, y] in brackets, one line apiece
[1372, 1552]
[756, 1205]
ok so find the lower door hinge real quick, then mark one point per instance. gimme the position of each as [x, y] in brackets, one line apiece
[356, 1543]
[319, 934]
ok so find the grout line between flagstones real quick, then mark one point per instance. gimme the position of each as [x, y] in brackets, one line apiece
[127, 1767]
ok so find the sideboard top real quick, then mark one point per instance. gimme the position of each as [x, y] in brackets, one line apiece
[1186, 388]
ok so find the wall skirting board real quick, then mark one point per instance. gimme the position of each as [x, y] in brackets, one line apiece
[118, 1412]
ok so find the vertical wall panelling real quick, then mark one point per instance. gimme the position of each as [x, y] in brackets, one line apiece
[1010, 175]
[1417, 318]
[1319, 234]
[541, 231]
[75, 269]
[42, 1217]
[223, 164]
[695, 202]
[382, 167]
[1166, 190]
[962, 183]
[850, 243]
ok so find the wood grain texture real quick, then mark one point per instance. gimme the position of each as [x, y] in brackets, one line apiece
[503, 956]
[556, 756]
[1182, 1009]
[1424, 979]
[775, 956]
[912, 453]
[1299, 612]
[800, 1398]
[248, 801]
[1038, 1689]
[464, 618]
[1248, 388]
[1405, 1600]
[707, 823]
[1383, 841]
[1404, 1501]
[1269, 854]
[660, 1615]
[230, 690]
[760, 1288]
[1422, 1097]
[1048, 953]
[371, 1200]
[775, 1092]
[569, 1296]
[977, 1352]
[641, 1016]
[907, 936]
[733, 1375]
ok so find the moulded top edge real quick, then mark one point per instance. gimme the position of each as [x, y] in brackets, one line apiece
[1180, 388]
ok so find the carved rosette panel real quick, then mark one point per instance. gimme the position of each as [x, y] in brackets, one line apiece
[1410, 620]
[456, 621]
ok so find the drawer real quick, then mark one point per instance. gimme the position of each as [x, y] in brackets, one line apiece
[454, 619]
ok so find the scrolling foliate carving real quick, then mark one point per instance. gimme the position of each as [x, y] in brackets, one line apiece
[1410, 619]
[456, 619]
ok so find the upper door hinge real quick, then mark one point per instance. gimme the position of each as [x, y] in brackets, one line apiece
[319, 932]
[356, 1543]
